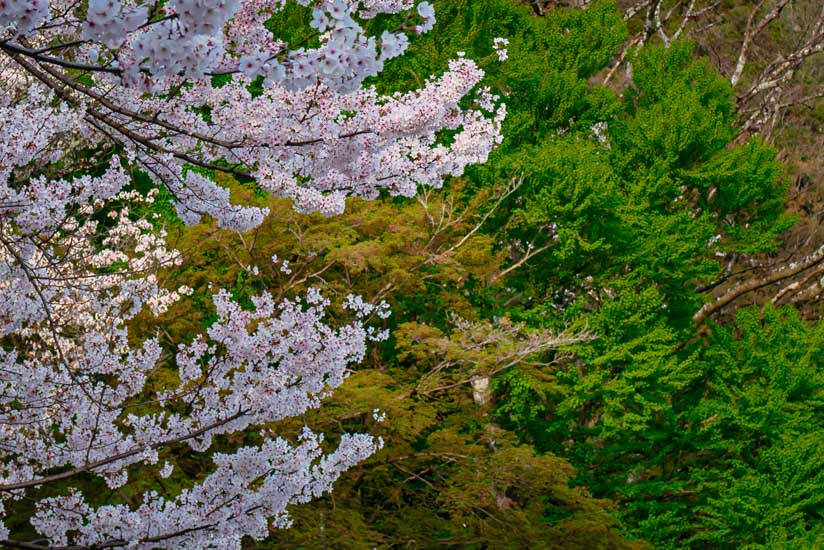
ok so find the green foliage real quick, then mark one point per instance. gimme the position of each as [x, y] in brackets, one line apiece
[632, 227]
[717, 445]
[756, 413]
[658, 201]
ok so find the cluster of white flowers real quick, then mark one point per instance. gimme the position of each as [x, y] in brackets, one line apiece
[347, 55]
[316, 158]
[108, 23]
[78, 262]
[21, 16]
[499, 45]
[599, 130]
[276, 360]
[364, 309]
[284, 265]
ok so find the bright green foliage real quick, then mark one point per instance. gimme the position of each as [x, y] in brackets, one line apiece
[633, 226]
[742, 463]
[755, 415]
[676, 142]
[645, 207]
[719, 445]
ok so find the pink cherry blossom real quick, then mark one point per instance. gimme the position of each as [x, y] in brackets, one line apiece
[166, 87]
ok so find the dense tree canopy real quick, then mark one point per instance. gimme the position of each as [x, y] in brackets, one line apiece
[566, 364]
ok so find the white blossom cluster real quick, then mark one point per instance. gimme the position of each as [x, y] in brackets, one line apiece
[70, 287]
[350, 141]
[109, 23]
[499, 45]
[22, 16]
[167, 86]
[599, 131]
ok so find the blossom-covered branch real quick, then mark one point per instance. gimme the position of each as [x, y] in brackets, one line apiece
[96, 92]
[312, 133]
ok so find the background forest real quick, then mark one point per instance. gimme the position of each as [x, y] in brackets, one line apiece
[608, 336]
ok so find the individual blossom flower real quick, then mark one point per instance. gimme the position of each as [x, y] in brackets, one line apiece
[426, 10]
[320, 20]
[338, 9]
[252, 65]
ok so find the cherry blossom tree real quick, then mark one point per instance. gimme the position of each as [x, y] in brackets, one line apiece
[94, 92]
